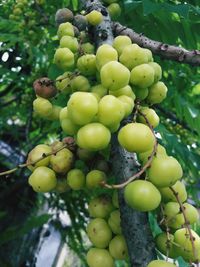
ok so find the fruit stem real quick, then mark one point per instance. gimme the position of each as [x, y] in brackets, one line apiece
[186, 224]
[144, 168]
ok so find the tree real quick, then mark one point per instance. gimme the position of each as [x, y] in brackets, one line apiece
[186, 105]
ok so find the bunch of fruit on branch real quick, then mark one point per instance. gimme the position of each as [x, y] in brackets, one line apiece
[119, 83]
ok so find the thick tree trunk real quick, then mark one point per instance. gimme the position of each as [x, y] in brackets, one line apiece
[135, 224]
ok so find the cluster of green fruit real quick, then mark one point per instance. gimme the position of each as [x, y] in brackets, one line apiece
[18, 9]
[105, 233]
[104, 89]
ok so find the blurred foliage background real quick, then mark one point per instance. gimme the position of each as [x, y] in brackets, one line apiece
[27, 44]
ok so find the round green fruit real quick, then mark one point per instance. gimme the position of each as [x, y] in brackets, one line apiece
[99, 257]
[94, 17]
[64, 58]
[105, 53]
[43, 179]
[142, 76]
[86, 64]
[157, 93]
[69, 42]
[118, 248]
[114, 222]
[120, 42]
[76, 179]
[127, 91]
[144, 157]
[168, 195]
[80, 83]
[157, 71]
[42, 107]
[142, 195]
[93, 136]
[150, 115]
[99, 233]
[65, 29]
[160, 263]
[165, 245]
[94, 178]
[114, 10]
[136, 137]
[100, 207]
[63, 15]
[62, 161]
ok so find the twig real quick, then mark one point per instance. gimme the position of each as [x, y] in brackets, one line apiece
[166, 51]
[20, 166]
[186, 224]
[148, 163]
[137, 105]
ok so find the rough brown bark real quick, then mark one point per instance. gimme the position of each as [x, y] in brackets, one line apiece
[166, 51]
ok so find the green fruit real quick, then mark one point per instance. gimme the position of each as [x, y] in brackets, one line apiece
[100, 207]
[99, 90]
[69, 42]
[142, 76]
[82, 107]
[76, 179]
[99, 257]
[185, 248]
[80, 83]
[136, 137]
[120, 42]
[62, 161]
[94, 178]
[87, 65]
[168, 195]
[157, 71]
[118, 248]
[42, 107]
[157, 93]
[94, 17]
[141, 93]
[88, 48]
[93, 136]
[160, 263]
[150, 115]
[55, 113]
[114, 75]
[171, 209]
[43, 179]
[69, 127]
[62, 186]
[115, 200]
[63, 83]
[114, 127]
[127, 90]
[132, 56]
[191, 213]
[111, 110]
[164, 171]
[142, 195]
[145, 155]
[166, 246]
[65, 29]
[105, 53]
[99, 233]
[114, 11]
[63, 15]
[128, 104]
[64, 58]
[114, 222]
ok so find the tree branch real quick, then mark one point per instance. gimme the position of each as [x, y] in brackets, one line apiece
[165, 51]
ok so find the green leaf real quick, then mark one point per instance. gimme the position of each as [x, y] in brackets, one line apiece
[150, 7]
[75, 4]
[181, 9]
[182, 263]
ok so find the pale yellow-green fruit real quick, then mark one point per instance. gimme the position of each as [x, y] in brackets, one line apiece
[80, 83]
[82, 107]
[142, 195]
[120, 42]
[62, 161]
[165, 245]
[185, 247]
[157, 71]
[164, 171]
[114, 10]
[88, 48]
[132, 56]
[142, 76]
[94, 17]
[76, 179]
[161, 263]
[94, 178]
[43, 179]
[63, 83]
[64, 58]
[115, 200]
[114, 127]
[136, 137]
[99, 233]
[67, 125]
[99, 90]
[65, 29]
[150, 115]
[140, 93]
[69, 42]
[55, 113]
[93, 136]
[168, 195]
[145, 155]
[100, 207]
[36, 153]
[42, 107]
[105, 53]
[111, 110]
[128, 104]
[157, 93]
[118, 248]
[63, 114]
[149, 54]
[114, 75]
[171, 209]
[191, 213]
[114, 222]
[97, 257]
[86, 64]
[127, 90]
